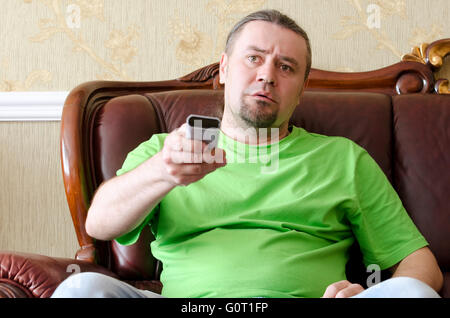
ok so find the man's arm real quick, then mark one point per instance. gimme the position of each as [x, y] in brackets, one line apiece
[122, 203]
[421, 265]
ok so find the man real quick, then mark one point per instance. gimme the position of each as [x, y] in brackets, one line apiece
[226, 229]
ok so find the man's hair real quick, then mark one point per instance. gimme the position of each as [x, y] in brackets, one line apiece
[272, 16]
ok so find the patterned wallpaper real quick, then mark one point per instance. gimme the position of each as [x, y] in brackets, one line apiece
[54, 45]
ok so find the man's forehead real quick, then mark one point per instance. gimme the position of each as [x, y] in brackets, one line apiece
[254, 48]
[254, 35]
[262, 27]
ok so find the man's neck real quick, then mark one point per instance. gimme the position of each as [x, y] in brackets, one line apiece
[255, 136]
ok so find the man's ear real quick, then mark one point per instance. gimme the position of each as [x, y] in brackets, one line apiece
[223, 67]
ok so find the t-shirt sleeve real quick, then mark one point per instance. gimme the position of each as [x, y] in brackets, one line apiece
[384, 230]
[135, 158]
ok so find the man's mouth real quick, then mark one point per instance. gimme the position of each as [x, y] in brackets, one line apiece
[266, 96]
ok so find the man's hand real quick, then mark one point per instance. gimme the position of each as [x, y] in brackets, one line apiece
[342, 289]
[186, 160]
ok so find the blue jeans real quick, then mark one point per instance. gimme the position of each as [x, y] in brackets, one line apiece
[94, 285]
[399, 287]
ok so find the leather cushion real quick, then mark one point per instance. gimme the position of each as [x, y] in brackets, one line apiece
[422, 178]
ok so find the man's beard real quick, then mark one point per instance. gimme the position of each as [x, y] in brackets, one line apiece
[258, 116]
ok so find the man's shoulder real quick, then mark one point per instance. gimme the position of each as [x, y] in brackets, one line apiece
[328, 140]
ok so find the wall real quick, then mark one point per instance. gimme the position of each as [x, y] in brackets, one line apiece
[66, 42]
[34, 216]
[53, 45]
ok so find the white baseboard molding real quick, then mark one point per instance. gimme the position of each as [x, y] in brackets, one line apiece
[31, 106]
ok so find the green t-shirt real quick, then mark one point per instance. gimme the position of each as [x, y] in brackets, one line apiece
[277, 220]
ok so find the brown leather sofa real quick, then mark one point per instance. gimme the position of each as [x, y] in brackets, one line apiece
[400, 114]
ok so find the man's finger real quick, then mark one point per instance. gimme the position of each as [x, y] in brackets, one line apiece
[191, 145]
[215, 155]
[196, 169]
[181, 130]
[183, 157]
[352, 290]
[177, 142]
[335, 288]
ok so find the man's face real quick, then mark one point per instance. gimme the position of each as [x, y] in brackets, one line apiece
[263, 75]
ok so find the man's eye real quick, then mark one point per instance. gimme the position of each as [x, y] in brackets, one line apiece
[285, 68]
[252, 58]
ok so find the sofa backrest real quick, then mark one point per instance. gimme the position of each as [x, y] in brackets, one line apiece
[422, 166]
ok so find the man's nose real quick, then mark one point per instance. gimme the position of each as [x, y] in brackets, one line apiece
[266, 74]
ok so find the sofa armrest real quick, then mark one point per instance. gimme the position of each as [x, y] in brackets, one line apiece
[33, 275]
